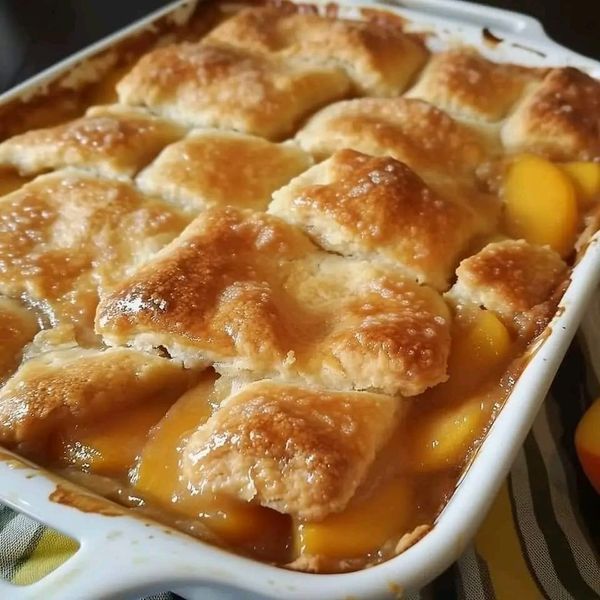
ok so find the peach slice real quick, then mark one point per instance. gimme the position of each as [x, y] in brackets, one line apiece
[540, 204]
[443, 438]
[587, 444]
[481, 347]
[363, 527]
[585, 176]
[109, 446]
[455, 414]
[157, 473]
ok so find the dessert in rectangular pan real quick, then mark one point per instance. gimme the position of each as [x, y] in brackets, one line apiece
[271, 283]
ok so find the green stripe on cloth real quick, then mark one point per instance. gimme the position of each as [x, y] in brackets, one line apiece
[18, 538]
[51, 550]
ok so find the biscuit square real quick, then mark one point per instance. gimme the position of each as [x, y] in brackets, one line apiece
[210, 85]
[301, 451]
[66, 236]
[559, 118]
[378, 209]
[509, 278]
[110, 141]
[222, 168]
[464, 83]
[377, 55]
[413, 131]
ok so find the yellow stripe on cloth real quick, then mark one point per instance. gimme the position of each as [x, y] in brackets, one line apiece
[497, 542]
[52, 550]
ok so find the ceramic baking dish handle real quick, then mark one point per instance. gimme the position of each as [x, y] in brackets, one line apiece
[100, 568]
[499, 21]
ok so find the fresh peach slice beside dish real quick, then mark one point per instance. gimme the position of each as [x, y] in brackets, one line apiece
[587, 444]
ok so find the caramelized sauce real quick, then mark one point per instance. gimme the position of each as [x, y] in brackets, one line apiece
[84, 502]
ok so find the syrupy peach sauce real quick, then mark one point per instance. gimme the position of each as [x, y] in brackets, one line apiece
[134, 458]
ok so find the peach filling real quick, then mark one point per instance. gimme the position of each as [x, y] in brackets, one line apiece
[436, 437]
[453, 416]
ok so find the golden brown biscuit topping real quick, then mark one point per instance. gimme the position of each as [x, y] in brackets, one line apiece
[413, 131]
[220, 168]
[210, 85]
[110, 141]
[378, 208]
[463, 82]
[560, 118]
[509, 277]
[246, 290]
[66, 235]
[379, 57]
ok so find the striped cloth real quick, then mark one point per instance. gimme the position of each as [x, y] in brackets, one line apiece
[541, 538]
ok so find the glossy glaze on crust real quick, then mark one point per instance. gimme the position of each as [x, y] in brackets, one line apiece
[300, 451]
[560, 118]
[221, 168]
[78, 385]
[380, 59]
[464, 83]
[111, 141]
[413, 131]
[66, 235]
[217, 85]
[248, 291]
[377, 208]
[509, 278]
[17, 328]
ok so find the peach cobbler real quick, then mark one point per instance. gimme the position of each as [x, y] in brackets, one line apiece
[270, 283]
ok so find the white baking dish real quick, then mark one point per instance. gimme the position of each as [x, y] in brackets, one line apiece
[127, 556]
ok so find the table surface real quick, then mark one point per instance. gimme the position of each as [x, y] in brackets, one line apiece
[35, 35]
